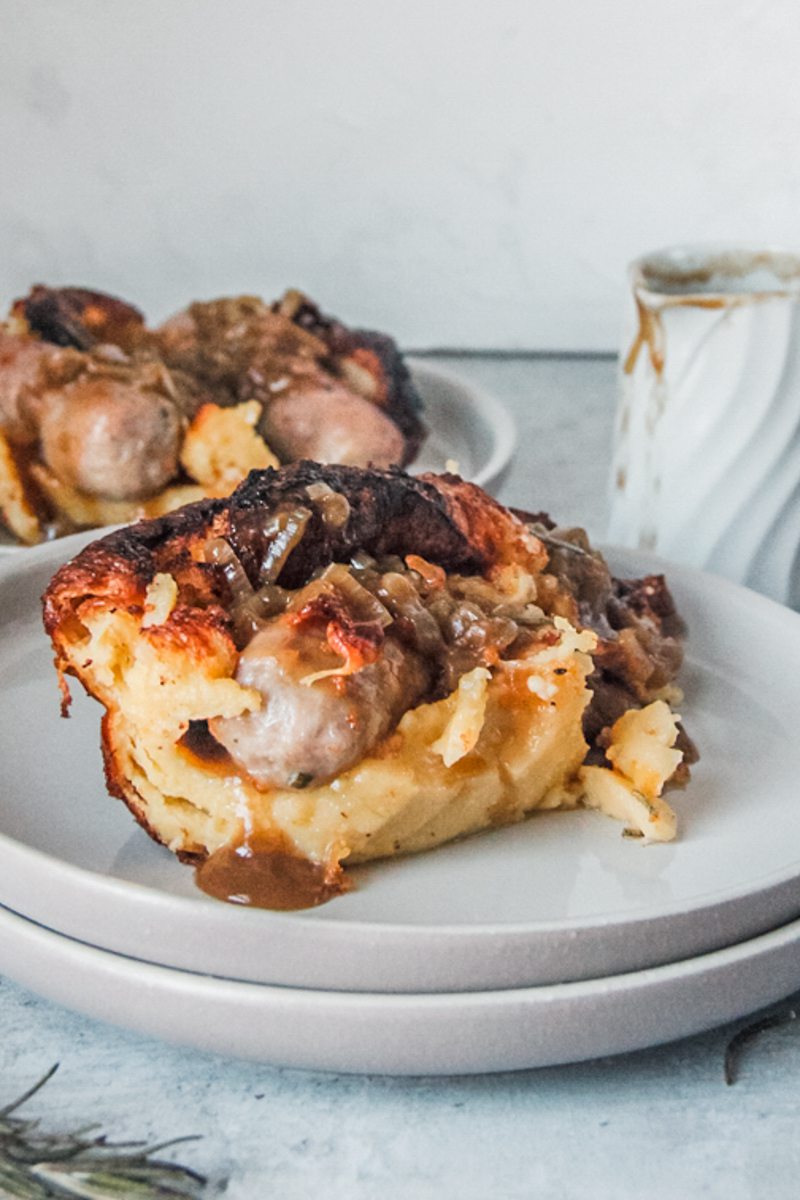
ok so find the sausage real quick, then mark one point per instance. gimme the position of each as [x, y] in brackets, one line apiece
[110, 438]
[311, 732]
[21, 371]
[331, 425]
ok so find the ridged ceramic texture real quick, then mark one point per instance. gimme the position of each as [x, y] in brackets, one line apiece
[707, 460]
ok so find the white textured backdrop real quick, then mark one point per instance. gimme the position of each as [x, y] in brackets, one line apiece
[465, 174]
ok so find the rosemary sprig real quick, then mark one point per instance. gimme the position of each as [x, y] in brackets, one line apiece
[64, 1166]
[557, 543]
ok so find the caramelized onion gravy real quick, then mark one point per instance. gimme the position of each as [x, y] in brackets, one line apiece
[265, 872]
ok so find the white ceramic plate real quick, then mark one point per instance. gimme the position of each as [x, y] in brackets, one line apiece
[559, 898]
[405, 1034]
[465, 425]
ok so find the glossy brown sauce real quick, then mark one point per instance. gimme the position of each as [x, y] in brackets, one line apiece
[650, 332]
[264, 872]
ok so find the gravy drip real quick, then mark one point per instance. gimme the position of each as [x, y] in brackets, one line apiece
[265, 872]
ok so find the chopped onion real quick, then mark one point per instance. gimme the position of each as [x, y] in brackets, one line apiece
[402, 599]
[221, 553]
[334, 507]
[288, 528]
[249, 607]
[364, 605]
[361, 561]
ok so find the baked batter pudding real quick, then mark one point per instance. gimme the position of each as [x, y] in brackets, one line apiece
[336, 664]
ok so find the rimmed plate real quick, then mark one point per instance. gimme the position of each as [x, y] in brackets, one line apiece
[562, 897]
[405, 1034]
[466, 426]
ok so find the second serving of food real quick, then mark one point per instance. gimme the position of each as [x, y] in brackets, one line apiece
[103, 420]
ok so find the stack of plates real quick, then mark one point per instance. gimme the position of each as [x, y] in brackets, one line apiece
[549, 942]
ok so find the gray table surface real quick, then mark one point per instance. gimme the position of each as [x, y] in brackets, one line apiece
[657, 1124]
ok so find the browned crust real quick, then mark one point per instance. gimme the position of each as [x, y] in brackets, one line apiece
[390, 513]
[118, 567]
[79, 317]
[441, 518]
[118, 785]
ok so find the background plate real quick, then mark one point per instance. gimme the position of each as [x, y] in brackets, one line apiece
[558, 898]
[465, 425]
[405, 1035]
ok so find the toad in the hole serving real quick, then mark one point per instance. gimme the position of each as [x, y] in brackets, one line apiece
[104, 420]
[336, 664]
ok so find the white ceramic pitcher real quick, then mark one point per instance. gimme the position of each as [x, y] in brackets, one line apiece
[707, 448]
